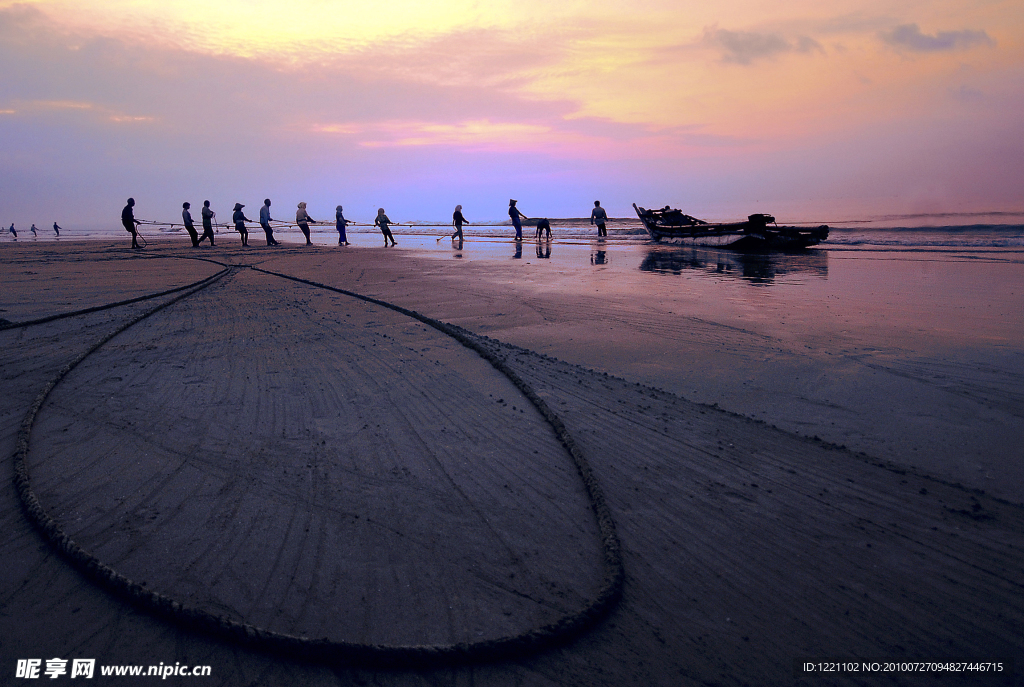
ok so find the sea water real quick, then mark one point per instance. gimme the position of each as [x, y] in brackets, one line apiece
[958, 230]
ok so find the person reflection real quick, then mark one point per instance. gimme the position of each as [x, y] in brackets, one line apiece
[598, 257]
[543, 248]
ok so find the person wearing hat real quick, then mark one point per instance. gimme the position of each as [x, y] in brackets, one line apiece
[186, 217]
[598, 216]
[208, 216]
[458, 220]
[342, 223]
[131, 224]
[514, 213]
[240, 219]
[265, 221]
[383, 221]
[303, 219]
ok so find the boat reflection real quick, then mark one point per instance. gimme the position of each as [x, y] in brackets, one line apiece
[756, 268]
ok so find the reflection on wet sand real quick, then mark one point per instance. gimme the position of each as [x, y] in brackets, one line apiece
[543, 248]
[757, 268]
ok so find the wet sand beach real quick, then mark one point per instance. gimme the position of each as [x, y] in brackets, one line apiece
[816, 457]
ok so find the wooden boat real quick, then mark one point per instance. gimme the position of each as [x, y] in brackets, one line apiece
[759, 232]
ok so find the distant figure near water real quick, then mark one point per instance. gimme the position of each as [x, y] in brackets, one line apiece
[208, 216]
[303, 219]
[383, 221]
[240, 219]
[131, 224]
[458, 220]
[265, 221]
[598, 216]
[56, 229]
[13, 231]
[190, 227]
[514, 213]
[35, 232]
[342, 223]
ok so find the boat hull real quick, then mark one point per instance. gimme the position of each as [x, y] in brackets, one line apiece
[756, 234]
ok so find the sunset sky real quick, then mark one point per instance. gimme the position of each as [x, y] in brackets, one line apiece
[804, 109]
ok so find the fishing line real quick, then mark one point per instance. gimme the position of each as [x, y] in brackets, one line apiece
[562, 630]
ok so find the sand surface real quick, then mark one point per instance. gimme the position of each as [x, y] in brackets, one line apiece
[313, 464]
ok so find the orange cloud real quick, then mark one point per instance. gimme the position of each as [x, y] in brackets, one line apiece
[77, 105]
[476, 134]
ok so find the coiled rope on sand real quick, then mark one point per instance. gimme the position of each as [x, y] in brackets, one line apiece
[527, 642]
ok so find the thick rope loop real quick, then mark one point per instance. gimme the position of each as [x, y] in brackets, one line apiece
[530, 641]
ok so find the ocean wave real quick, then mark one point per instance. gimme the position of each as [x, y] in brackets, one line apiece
[962, 236]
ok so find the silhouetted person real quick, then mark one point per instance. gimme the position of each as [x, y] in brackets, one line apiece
[265, 221]
[543, 225]
[342, 223]
[208, 216]
[35, 233]
[240, 219]
[514, 213]
[598, 216]
[56, 229]
[458, 220]
[382, 221]
[13, 231]
[131, 224]
[186, 218]
[303, 219]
